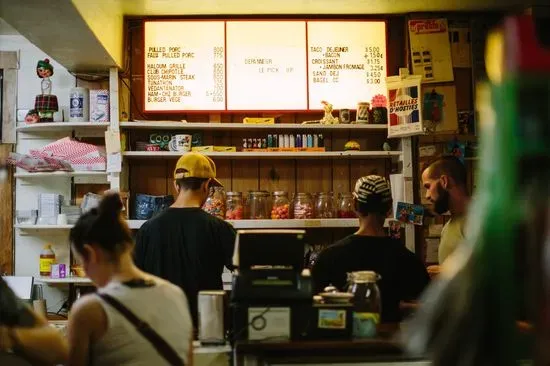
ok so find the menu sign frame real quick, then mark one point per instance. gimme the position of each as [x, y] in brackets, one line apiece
[311, 106]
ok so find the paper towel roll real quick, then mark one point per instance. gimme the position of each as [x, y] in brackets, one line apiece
[79, 110]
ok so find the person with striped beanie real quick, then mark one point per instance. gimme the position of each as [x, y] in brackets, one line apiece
[403, 275]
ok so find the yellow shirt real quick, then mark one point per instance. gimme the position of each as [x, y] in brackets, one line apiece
[451, 236]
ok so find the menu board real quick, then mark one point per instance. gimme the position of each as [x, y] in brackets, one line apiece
[184, 65]
[266, 65]
[346, 62]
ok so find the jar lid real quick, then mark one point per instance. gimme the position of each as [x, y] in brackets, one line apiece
[303, 194]
[259, 193]
[365, 276]
[280, 193]
[231, 193]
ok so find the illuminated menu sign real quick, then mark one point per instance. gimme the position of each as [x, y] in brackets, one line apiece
[262, 65]
[346, 62]
[184, 65]
[266, 65]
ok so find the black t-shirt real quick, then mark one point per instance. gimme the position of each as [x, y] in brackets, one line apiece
[187, 247]
[404, 276]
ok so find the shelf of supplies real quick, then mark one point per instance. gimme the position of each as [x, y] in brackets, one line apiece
[270, 155]
[59, 174]
[60, 126]
[42, 227]
[278, 224]
[172, 125]
[68, 280]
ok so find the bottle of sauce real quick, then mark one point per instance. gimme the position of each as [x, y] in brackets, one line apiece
[47, 258]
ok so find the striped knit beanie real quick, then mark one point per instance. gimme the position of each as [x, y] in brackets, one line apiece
[372, 190]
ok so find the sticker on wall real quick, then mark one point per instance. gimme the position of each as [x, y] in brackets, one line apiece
[404, 106]
[409, 213]
[439, 110]
[431, 50]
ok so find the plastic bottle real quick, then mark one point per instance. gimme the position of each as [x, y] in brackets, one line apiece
[47, 258]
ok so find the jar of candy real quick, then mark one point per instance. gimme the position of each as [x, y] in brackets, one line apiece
[280, 209]
[346, 207]
[258, 205]
[215, 203]
[234, 206]
[303, 206]
[324, 206]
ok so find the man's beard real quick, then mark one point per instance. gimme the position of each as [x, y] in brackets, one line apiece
[441, 205]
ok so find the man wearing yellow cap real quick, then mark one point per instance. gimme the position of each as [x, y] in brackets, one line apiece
[184, 244]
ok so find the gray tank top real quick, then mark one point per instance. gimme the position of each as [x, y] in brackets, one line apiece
[163, 306]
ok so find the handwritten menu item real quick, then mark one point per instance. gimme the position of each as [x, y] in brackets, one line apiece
[266, 65]
[431, 50]
[184, 65]
[346, 62]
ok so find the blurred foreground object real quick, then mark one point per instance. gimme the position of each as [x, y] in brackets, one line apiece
[502, 274]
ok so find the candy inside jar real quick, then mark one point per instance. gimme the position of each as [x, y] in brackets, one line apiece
[281, 206]
[303, 206]
[215, 203]
[234, 206]
[346, 207]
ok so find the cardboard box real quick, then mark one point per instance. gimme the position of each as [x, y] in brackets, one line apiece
[212, 148]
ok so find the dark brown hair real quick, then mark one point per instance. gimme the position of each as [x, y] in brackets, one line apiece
[103, 226]
[192, 184]
[448, 165]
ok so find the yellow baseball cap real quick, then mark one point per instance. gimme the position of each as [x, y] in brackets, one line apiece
[195, 165]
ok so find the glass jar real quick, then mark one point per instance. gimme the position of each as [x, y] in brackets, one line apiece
[367, 304]
[258, 205]
[280, 209]
[215, 203]
[324, 206]
[234, 206]
[303, 206]
[346, 206]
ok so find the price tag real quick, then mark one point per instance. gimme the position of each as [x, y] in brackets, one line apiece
[312, 223]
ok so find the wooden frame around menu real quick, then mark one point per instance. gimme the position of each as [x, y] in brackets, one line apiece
[267, 19]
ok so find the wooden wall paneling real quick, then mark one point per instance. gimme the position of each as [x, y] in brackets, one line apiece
[224, 173]
[152, 177]
[363, 167]
[341, 176]
[278, 175]
[463, 87]
[369, 140]
[6, 216]
[245, 175]
[314, 175]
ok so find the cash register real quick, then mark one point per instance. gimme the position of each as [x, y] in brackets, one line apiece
[272, 292]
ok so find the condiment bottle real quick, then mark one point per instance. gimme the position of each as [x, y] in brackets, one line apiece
[47, 258]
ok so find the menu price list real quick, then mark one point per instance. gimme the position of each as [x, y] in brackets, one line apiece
[266, 68]
[346, 61]
[184, 73]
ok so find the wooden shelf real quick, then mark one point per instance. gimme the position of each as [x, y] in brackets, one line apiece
[270, 155]
[278, 224]
[60, 126]
[171, 125]
[67, 280]
[59, 174]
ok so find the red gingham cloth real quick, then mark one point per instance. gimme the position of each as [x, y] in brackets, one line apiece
[80, 155]
[46, 103]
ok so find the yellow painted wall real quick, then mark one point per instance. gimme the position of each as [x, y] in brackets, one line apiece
[106, 21]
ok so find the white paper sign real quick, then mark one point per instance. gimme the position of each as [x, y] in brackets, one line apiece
[266, 65]
[184, 66]
[346, 62]
[268, 323]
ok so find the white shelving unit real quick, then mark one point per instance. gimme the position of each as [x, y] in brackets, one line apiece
[171, 125]
[30, 175]
[28, 227]
[67, 280]
[278, 224]
[60, 126]
[271, 155]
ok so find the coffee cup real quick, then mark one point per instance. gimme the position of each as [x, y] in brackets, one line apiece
[180, 143]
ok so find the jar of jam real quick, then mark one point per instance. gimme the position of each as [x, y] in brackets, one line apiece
[303, 206]
[234, 209]
[324, 206]
[280, 209]
[215, 203]
[258, 205]
[346, 206]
